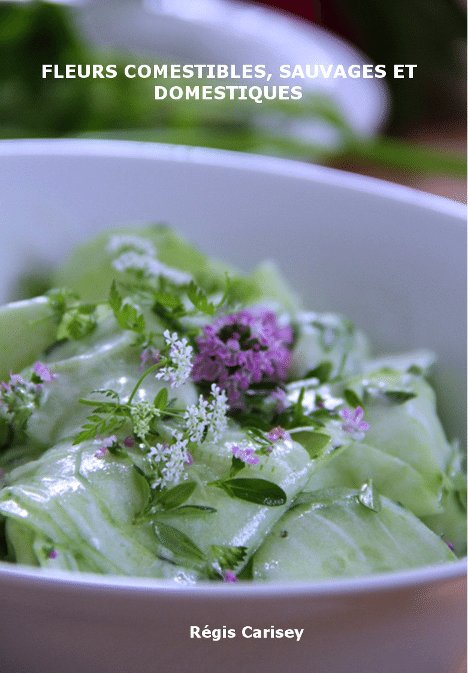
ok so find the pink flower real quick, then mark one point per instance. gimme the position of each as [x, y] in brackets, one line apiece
[281, 400]
[242, 349]
[229, 576]
[129, 442]
[148, 354]
[43, 371]
[247, 455]
[354, 423]
[53, 554]
[105, 443]
[278, 433]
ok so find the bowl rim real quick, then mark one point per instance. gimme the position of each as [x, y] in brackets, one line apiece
[131, 149]
[415, 579]
[17, 575]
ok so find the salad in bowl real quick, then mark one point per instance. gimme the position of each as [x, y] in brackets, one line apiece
[164, 415]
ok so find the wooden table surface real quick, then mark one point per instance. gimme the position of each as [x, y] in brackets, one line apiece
[451, 137]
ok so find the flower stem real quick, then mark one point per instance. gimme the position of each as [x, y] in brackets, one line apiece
[143, 376]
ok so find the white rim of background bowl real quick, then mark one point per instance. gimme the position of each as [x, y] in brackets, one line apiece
[17, 574]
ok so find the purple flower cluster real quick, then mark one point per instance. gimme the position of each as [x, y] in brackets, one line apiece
[241, 349]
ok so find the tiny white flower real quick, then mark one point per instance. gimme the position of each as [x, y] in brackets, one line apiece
[169, 461]
[180, 355]
[126, 242]
[136, 261]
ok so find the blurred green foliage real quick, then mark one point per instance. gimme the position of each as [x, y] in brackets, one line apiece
[36, 33]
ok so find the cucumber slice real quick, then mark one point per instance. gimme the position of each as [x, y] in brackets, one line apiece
[340, 537]
[85, 506]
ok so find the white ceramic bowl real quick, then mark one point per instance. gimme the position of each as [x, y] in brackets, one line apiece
[390, 258]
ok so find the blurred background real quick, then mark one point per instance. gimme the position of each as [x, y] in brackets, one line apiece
[409, 130]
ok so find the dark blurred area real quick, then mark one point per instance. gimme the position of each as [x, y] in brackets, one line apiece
[428, 111]
[429, 33]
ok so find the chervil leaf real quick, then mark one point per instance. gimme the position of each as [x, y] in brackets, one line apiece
[127, 314]
[228, 557]
[115, 300]
[199, 299]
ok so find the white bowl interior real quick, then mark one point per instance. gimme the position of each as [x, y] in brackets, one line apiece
[391, 259]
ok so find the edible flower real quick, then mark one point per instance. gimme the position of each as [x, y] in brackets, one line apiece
[241, 349]
[354, 423]
[43, 372]
[247, 455]
[278, 433]
[104, 446]
[180, 354]
[229, 576]
[207, 416]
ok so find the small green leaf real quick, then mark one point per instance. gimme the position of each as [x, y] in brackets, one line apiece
[176, 496]
[415, 370]
[258, 491]
[399, 396]
[177, 542]
[352, 398]
[160, 401]
[312, 441]
[187, 510]
[76, 324]
[369, 497]
[128, 316]
[199, 299]
[247, 571]
[115, 300]
[321, 372]
[167, 299]
[236, 466]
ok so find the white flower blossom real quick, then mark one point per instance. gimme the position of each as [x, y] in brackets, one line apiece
[169, 461]
[130, 260]
[180, 355]
[209, 416]
[218, 408]
[196, 420]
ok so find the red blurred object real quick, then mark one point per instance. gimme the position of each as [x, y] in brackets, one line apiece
[306, 10]
[321, 13]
